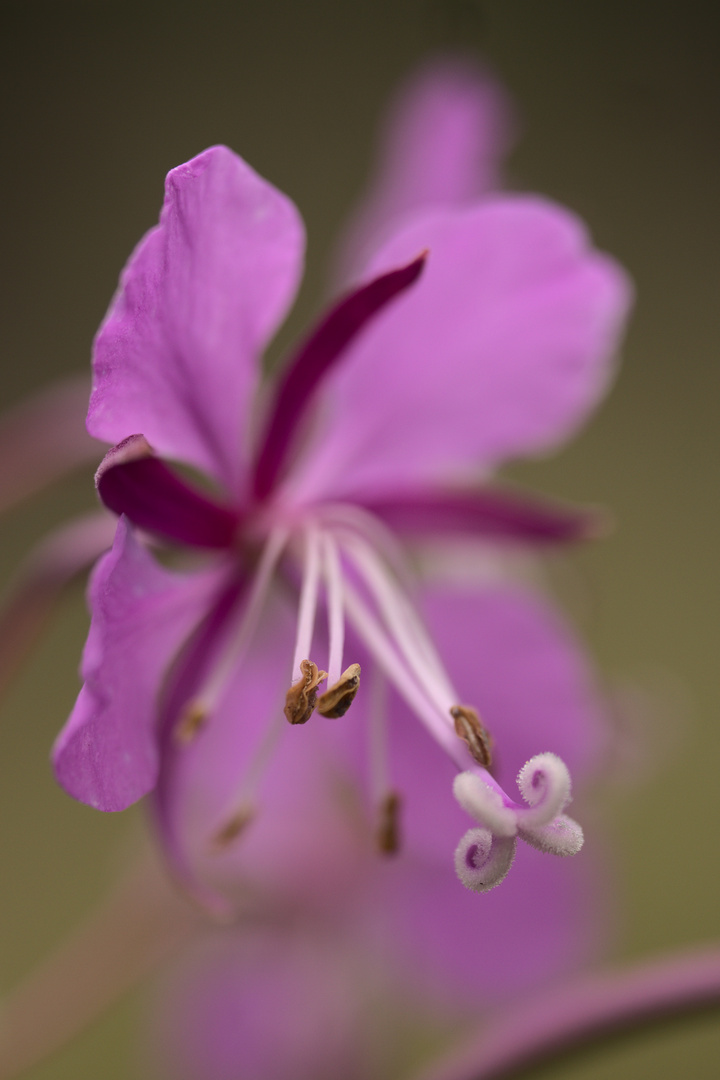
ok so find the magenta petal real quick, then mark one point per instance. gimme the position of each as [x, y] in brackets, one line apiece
[502, 349]
[44, 437]
[107, 755]
[473, 952]
[486, 513]
[442, 145]
[177, 356]
[132, 481]
[323, 348]
[266, 1006]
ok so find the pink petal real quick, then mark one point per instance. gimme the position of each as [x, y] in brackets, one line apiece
[132, 481]
[43, 437]
[177, 355]
[264, 1006]
[107, 755]
[502, 349]
[473, 951]
[56, 560]
[442, 145]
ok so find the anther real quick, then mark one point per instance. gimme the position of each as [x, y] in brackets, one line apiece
[387, 835]
[232, 828]
[469, 728]
[301, 698]
[338, 698]
[192, 720]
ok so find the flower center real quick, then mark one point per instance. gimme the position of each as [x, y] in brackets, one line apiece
[351, 569]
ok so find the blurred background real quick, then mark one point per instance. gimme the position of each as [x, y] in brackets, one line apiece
[620, 108]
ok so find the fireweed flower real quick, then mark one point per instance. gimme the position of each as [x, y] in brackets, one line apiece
[478, 334]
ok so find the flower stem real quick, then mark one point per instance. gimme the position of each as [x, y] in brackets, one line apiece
[133, 929]
[575, 1017]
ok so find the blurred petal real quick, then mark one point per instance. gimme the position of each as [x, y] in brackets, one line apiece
[132, 481]
[502, 349]
[442, 145]
[177, 356]
[262, 1007]
[56, 560]
[107, 755]
[474, 951]
[43, 437]
[487, 513]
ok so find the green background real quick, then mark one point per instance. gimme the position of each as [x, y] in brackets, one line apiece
[620, 105]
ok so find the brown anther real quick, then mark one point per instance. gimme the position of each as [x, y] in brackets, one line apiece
[301, 698]
[470, 729]
[387, 834]
[338, 698]
[192, 720]
[232, 828]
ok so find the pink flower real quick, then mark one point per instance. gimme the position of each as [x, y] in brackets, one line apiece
[479, 333]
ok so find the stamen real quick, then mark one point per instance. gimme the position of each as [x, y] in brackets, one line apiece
[403, 624]
[359, 523]
[473, 733]
[388, 830]
[232, 828]
[193, 719]
[245, 793]
[308, 600]
[338, 698]
[394, 667]
[301, 698]
[336, 620]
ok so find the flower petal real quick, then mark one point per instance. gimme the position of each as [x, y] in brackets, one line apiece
[502, 349]
[106, 755]
[544, 919]
[177, 354]
[132, 481]
[441, 145]
[44, 437]
[262, 1006]
[485, 512]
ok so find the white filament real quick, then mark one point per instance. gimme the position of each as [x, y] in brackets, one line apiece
[308, 601]
[336, 612]
[403, 624]
[236, 647]
[392, 663]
